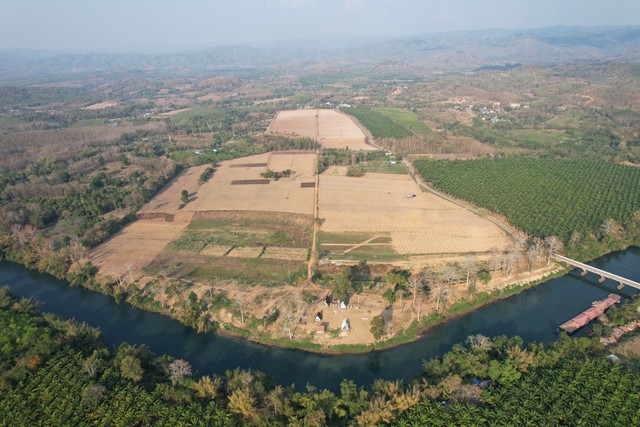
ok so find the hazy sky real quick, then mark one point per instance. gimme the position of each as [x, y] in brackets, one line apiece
[167, 24]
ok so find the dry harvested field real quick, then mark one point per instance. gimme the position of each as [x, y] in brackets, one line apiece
[162, 222]
[134, 246]
[425, 224]
[167, 200]
[283, 195]
[331, 128]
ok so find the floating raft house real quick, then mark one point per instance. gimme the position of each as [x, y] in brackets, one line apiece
[583, 319]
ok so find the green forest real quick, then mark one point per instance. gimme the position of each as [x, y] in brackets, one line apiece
[545, 197]
[61, 371]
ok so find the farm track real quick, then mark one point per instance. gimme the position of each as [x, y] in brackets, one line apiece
[418, 179]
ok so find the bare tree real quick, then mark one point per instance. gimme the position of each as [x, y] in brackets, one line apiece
[239, 304]
[443, 285]
[479, 341]
[471, 267]
[554, 245]
[449, 275]
[611, 228]
[575, 237]
[513, 256]
[178, 370]
[76, 251]
[290, 318]
[496, 259]
[415, 282]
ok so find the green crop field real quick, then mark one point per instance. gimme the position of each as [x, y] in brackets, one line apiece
[406, 118]
[542, 197]
[379, 124]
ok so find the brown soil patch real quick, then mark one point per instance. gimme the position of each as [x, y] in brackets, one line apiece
[167, 200]
[331, 128]
[215, 250]
[299, 254]
[101, 105]
[629, 347]
[425, 224]
[134, 246]
[335, 171]
[284, 218]
[243, 252]
[283, 195]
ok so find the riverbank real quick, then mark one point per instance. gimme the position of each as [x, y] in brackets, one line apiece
[413, 330]
[531, 313]
[408, 328]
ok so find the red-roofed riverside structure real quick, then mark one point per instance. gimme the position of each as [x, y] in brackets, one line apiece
[583, 319]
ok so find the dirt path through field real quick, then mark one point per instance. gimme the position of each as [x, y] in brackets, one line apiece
[314, 239]
[418, 179]
[364, 243]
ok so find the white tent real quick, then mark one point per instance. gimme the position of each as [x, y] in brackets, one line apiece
[345, 325]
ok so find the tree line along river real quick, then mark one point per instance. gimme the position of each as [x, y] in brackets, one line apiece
[533, 314]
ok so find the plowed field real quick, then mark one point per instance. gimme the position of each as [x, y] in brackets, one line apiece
[424, 224]
[331, 128]
[139, 243]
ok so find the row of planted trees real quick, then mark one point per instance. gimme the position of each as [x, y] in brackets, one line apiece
[61, 373]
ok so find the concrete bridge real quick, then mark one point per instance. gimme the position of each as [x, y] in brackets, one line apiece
[603, 274]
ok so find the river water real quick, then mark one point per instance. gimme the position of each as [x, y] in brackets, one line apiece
[533, 314]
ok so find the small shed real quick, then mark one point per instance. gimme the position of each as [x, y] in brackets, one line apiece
[321, 328]
[319, 317]
[345, 325]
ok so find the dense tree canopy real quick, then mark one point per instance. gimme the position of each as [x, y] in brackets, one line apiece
[543, 197]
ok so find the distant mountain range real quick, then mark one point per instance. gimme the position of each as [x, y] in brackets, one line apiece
[448, 52]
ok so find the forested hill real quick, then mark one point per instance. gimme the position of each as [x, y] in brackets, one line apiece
[455, 51]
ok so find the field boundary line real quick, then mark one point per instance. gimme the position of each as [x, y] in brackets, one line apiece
[418, 179]
[316, 212]
[362, 244]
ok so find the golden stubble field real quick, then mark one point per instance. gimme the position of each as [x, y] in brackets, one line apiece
[161, 221]
[284, 195]
[424, 224]
[331, 128]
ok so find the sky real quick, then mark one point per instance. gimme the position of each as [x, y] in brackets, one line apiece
[139, 25]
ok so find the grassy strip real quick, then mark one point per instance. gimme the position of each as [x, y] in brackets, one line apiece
[406, 118]
[383, 166]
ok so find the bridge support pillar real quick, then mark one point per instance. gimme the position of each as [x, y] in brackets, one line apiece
[601, 279]
[583, 273]
[620, 286]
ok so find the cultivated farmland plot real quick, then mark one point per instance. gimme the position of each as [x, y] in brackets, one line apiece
[424, 224]
[163, 224]
[331, 128]
[283, 195]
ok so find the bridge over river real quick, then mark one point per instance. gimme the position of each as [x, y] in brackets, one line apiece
[603, 274]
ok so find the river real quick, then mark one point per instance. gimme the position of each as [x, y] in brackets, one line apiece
[533, 314]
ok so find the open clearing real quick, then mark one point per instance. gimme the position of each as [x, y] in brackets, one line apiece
[283, 195]
[331, 128]
[134, 246]
[377, 204]
[248, 217]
